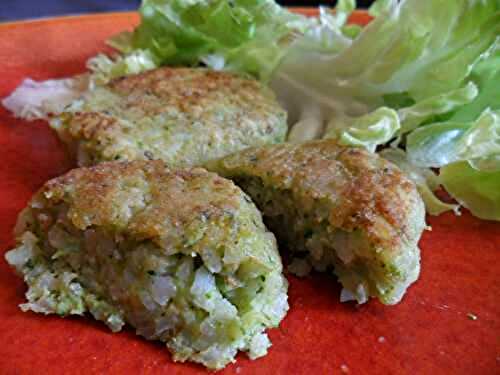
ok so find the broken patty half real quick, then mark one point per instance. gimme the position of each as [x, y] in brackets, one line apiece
[337, 206]
[181, 255]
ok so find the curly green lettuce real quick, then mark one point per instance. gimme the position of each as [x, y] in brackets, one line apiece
[422, 78]
[241, 35]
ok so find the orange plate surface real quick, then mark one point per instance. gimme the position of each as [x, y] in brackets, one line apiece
[429, 332]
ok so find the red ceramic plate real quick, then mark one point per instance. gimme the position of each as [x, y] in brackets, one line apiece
[431, 331]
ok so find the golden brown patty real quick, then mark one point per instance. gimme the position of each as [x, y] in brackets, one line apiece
[183, 116]
[147, 198]
[344, 206]
[181, 255]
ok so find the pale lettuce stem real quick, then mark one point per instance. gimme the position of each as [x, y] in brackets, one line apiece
[310, 125]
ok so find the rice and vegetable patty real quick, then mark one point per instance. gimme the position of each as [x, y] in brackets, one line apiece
[181, 255]
[184, 116]
[340, 206]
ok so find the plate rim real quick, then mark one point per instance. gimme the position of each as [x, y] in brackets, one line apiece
[65, 18]
[308, 11]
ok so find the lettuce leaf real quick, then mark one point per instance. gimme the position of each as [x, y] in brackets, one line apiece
[33, 100]
[368, 131]
[477, 190]
[426, 180]
[432, 68]
[418, 49]
[104, 68]
[423, 111]
[443, 143]
[247, 36]
[486, 76]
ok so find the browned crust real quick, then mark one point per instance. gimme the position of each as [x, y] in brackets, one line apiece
[359, 189]
[183, 87]
[146, 198]
[137, 116]
[92, 125]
